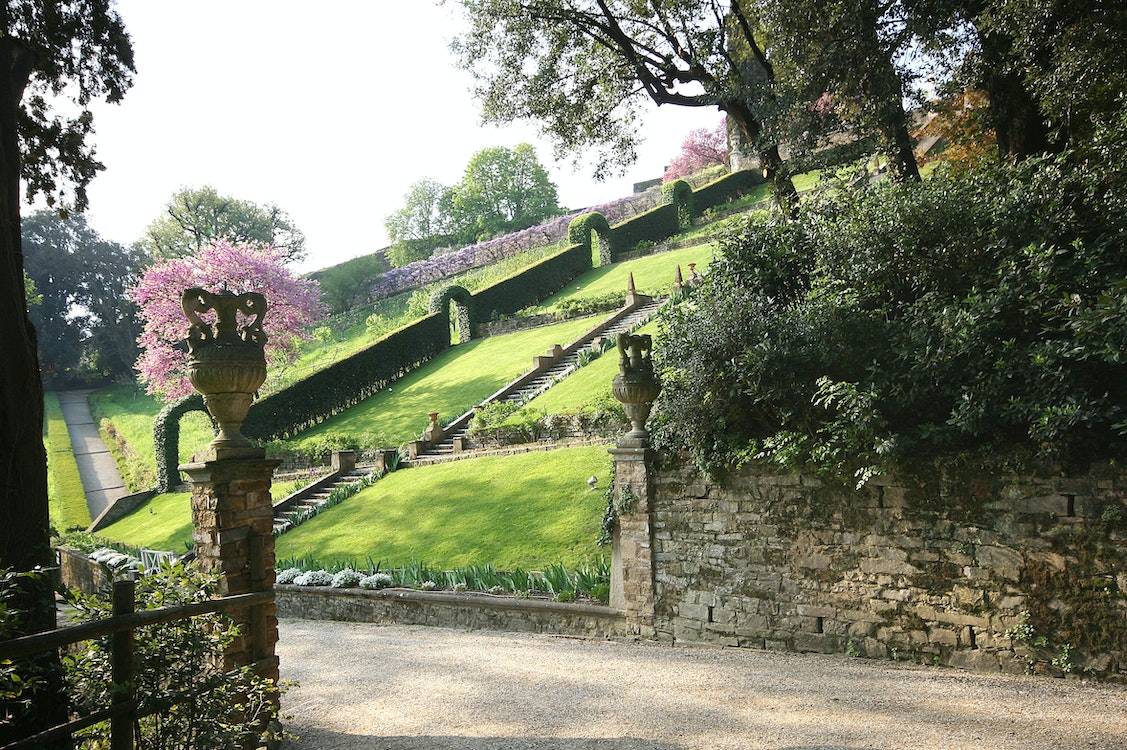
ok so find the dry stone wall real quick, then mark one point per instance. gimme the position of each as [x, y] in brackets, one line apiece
[990, 574]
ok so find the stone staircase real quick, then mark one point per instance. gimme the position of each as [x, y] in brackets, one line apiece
[288, 510]
[537, 381]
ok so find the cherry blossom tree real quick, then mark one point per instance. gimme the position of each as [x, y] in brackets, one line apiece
[292, 306]
[701, 148]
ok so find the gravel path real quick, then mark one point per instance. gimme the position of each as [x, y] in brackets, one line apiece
[96, 467]
[397, 688]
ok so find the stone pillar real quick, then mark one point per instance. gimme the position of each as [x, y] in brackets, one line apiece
[233, 530]
[343, 462]
[632, 553]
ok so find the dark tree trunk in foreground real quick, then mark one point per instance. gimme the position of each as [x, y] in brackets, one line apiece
[24, 533]
[1018, 124]
[786, 197]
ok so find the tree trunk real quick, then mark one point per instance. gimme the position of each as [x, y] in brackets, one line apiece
[24, 527]
[1019, 126]
[775, 169]
[883, 87]
[901, 155]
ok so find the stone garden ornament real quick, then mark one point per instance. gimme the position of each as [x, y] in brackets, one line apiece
[226, 361]
[636, 386]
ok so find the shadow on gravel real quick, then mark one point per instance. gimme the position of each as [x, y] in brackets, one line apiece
[323, 739]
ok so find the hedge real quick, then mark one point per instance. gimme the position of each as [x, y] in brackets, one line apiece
[725, 189]
[440, 303]
[346, 383]
[533, 284]
[680, 194]
[653, 226]
[166, 439]
[581, 228]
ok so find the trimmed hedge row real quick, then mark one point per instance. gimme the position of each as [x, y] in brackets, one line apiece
[725, 189]
[349, 381]
[680, 194]
[166, 439]
[533, 284]
[653, 226]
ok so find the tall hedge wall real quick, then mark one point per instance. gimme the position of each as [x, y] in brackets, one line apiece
[533, 284]
[652, 226]
[725, 189]
[349, 381]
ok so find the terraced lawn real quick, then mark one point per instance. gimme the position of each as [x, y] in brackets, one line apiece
[66, 499]
[132, 412]
[528, 510]
[652, 273]
[585, 386]
[450, 384]
[163, 523]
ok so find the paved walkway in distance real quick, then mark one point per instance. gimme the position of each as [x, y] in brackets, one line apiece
[100, 478]
[408, 688]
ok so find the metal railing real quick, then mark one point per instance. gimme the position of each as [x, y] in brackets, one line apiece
[125, 708]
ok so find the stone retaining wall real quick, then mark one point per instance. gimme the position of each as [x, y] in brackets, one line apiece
[78, 571]
[451, 610]
[1018, 574]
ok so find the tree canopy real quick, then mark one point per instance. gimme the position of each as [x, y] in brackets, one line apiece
[87, 326]
[197, 217]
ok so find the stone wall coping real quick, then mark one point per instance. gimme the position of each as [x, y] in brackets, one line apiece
[458, 599]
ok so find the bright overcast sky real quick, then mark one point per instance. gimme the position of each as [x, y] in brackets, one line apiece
[329, 109]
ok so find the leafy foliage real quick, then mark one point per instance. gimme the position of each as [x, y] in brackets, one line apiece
[87, 326]
[181, 658]
[196, 218]
[977, 314]
[166, 438]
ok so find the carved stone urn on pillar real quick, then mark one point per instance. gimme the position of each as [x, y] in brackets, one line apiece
[226, 362]
[636, 386]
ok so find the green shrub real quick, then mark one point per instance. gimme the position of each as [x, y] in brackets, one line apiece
[976, 315]
[531, 285]
[166, 439]
[171, 659]
[579, 306]
[725, 189]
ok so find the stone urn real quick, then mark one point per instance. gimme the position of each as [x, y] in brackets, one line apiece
[226, 360]
[636, 386]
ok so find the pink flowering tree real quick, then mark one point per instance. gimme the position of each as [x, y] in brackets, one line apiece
[701, 148]
[293, 304]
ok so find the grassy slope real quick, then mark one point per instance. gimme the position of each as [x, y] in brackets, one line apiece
[651, 273]
[164, 523]
[449, 384]
[132, 412]
[527, 510]
[585, 386]
[66, 498]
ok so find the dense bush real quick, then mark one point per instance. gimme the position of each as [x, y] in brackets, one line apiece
[532, 285]
[978, 315]
[653, 226]
[171, 660]
[727, 188]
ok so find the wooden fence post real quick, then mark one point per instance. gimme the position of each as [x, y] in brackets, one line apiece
[121, 725]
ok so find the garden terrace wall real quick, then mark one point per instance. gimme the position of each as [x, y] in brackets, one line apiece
[77, 571]
[449, 610]
[779, 561]
[725, 189]
[349, 381]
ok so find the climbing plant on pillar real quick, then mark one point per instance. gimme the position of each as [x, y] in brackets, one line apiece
[166, 438]
[680, 194]
[463, 320]
[593, 231]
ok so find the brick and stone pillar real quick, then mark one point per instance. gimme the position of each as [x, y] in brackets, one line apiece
[233, 531]
[632, 552]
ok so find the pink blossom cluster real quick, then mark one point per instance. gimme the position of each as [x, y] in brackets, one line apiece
[446, 264]
[702, 148]
[293, 304]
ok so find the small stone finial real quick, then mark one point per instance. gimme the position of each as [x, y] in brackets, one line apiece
[226, 361]
[630, 288]
[636, 386]
[678, 279]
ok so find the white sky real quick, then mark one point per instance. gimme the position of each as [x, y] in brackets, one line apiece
[329, 109]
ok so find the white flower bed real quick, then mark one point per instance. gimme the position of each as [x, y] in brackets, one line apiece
[314, 578]
[376, 581]
[346, 579]
[288, 575]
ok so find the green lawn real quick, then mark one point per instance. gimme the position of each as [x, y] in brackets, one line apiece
[66, 499]
[163, 523]
[450, 383]
[652, 273]
[132, 412]
[585, 386]
[527, 510]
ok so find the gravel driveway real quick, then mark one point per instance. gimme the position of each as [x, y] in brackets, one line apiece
[393, 688]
